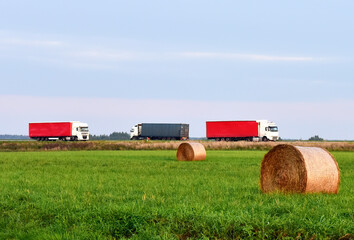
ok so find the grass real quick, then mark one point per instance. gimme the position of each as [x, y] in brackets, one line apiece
[149, 195]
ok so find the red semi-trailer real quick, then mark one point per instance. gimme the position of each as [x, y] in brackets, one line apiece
[242, 130]
[67, 131]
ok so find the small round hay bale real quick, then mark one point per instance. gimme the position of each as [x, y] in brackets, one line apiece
[191, 152]
[295, 169]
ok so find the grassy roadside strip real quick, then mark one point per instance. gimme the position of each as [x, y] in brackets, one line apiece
[24, 146]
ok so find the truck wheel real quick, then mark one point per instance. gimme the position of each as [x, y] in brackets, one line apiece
[265, 139]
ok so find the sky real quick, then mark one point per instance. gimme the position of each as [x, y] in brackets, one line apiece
[113, 64]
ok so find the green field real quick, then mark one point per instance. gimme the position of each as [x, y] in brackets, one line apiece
[149, 195]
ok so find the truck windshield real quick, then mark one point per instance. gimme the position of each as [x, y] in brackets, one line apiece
[84, 129]
[273, 129]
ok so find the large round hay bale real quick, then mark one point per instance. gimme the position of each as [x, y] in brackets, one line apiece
[294, 169]
[191, 152]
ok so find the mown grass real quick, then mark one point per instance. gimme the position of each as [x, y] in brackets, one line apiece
[149, 195]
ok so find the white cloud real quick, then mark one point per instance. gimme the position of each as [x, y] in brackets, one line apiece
[105, 55]
[248, 57]
[330, 120]
[75, 53]
[30, 43]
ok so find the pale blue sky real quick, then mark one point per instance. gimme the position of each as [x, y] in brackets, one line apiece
[277, 54]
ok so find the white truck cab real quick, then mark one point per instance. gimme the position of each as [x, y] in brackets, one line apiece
[80, 131]
[134, 132]
[268, 131]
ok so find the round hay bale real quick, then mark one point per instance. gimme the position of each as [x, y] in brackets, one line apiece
[295, 169]
[191, 152]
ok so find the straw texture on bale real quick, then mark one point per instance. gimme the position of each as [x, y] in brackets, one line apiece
[295, 169]
[191, 152]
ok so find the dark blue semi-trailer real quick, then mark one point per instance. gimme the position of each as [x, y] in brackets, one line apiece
[160, 131]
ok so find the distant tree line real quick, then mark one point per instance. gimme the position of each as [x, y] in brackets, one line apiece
[13, 137]
[112, 136]
[315, 138]
[119, 136]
